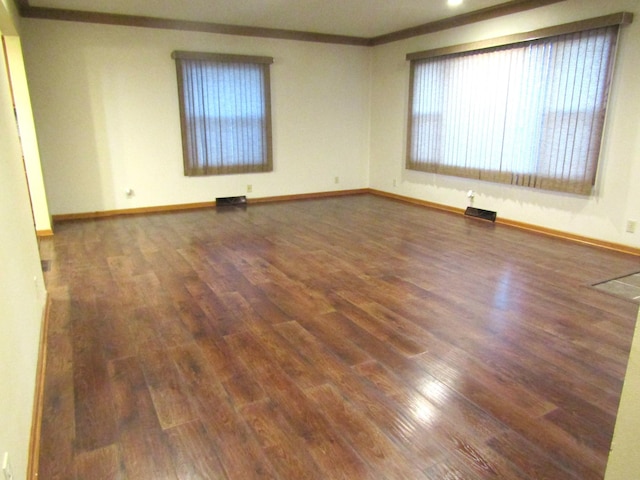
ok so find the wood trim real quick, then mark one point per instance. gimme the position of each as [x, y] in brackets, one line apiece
[162, 23]
[220, 57]
[65, 217]
[618, 247]
[308, 196]
[507, 8]
[621, 18]
[44, 233]
[38, 402]
[481, 15]
[416, 201]
[131, 211]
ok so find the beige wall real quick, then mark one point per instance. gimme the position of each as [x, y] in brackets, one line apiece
[616, 199]
[28, 140]
[106, 109]
[9, 18]
[22, 294]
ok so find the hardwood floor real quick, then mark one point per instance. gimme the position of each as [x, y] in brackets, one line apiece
[350, 338]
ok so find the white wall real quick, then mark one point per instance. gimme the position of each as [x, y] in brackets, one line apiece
[106, 109]
[617, 196]
[22, 295]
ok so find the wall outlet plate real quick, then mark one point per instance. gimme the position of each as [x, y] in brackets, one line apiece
[631, 226]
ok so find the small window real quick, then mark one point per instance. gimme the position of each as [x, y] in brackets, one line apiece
[225, 113]
[529, 113]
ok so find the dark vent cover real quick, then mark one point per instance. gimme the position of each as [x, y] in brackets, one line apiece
[479, 213]
[231, 201]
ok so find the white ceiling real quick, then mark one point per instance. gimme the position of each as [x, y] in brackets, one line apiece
[358, 18]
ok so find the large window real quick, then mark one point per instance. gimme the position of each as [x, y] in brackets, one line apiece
[529, 113]
[225, 113]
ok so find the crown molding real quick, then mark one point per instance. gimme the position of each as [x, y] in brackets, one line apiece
[488, 13]
[507, 8]
[621, 18]
[185, 25]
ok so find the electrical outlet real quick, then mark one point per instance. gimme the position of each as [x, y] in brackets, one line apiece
[336, 180]
[6, 467]
[249, 188]
[395, 184]
[631, 226]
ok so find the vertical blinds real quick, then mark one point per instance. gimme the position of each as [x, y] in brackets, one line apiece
[225, 113]
[527, 114]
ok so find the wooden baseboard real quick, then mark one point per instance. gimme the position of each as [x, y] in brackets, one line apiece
[618, 247]
[44, 233]
[309, 196]
[192, 206]
[38, 399]
[416, 201]
[131, 211]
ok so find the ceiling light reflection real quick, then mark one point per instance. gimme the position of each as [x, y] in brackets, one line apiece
[422, 410]
[434, 390]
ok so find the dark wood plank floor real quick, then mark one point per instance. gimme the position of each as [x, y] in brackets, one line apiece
[352, 338]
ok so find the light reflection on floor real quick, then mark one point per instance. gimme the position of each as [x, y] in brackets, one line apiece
[422, 410]
[501, 295]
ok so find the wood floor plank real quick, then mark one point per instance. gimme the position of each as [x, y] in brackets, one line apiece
[132, 398]
[401, 422]
[192, 455]
[232, 374]
[238, 451]
[101, 464]
[451, 469]
[172, 330]
[448, 364]
[328, 449]
[370, 443]
[529, 458]
[93, 396]
[279, 352]
[57, 437]
[146, 455]
[169, 393]
[380, 329]
[429, 423]
[280, 442]
[113, 329]
[441, 400]
[353, 337]
[142, 329]
[340, 345]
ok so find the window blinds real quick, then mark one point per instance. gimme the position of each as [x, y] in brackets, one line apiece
[530, 113]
